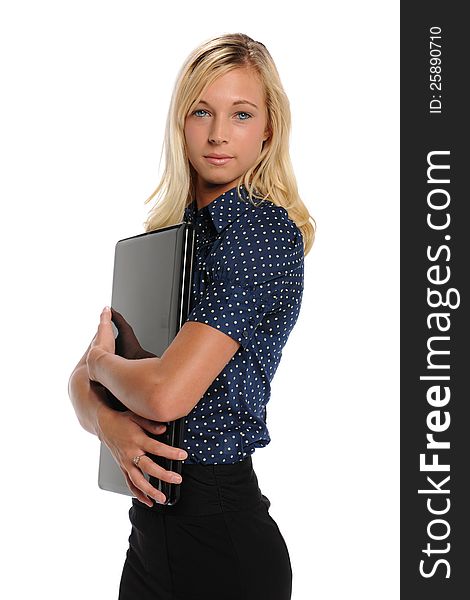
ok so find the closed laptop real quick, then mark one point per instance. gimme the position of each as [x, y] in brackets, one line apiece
[151, 293]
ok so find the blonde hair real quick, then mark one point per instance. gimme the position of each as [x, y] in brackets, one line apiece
[271, 177]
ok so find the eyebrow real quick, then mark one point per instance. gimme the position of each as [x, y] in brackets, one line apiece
[241, 101]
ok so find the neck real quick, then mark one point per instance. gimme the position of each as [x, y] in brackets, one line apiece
[205, 193]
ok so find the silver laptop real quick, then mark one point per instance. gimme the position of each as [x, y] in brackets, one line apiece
[151, 295]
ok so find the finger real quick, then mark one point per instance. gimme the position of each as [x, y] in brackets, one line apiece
[140, 482]
[105, 317]
[149, 466]
[160, 449]
[135, 490]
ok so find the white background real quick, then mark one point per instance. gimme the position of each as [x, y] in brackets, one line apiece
[85, 91]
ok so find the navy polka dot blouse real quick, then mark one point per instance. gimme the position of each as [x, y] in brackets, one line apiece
[248, 283]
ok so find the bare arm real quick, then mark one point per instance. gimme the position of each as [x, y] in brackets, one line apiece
[165, 388]
[125, 433]
[131, 381]
[87, 397]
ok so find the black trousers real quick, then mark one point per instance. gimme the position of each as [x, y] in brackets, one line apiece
[218, 542]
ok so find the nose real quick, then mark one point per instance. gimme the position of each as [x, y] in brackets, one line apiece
[218, 132]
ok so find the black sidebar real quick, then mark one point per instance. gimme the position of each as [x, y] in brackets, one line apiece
[434, 262]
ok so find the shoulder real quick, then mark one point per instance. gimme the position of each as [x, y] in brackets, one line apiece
[269, 224]
[261, 244]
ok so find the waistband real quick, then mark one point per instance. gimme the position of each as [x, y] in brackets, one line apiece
[212, 489]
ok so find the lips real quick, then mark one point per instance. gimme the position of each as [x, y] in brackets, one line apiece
[218, 159]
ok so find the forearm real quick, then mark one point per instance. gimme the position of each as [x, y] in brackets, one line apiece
[87, 399]
[133, 382]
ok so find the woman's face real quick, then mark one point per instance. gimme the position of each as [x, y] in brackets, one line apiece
[229, 120]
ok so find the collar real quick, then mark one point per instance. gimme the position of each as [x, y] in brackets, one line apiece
[223, 210]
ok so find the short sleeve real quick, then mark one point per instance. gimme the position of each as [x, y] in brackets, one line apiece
[233, 309]
[258, 269]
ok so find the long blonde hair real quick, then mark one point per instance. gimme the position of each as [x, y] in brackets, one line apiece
[271, 177]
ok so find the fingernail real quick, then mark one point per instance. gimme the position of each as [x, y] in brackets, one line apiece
[176, 479]
[183, 455]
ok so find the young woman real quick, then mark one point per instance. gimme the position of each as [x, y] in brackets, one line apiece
[228, 172]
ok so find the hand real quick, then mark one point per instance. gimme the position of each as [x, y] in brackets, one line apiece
[124, 433]
[102, 342]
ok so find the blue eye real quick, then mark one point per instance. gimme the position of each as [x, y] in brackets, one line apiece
[201, 110]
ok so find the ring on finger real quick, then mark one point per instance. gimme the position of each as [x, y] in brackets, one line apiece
[136, 459]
